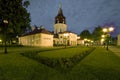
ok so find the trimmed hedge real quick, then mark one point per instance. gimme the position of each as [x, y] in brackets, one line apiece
[61, 64]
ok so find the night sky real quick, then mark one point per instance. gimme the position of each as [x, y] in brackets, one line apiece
[80, 14]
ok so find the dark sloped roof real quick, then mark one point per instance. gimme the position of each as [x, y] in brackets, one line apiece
[60, 18]
[36, 31]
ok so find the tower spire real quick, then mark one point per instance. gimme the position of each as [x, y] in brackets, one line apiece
[60, 8]
[60, 5]
[60, 17]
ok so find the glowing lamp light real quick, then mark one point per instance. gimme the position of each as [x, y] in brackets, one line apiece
[65, 34]
[102, 40]
[88, 40]
[105, 30]
[5, 21]
[85, 39]
[111, 29]
[0, 40]
[103, 36]
[14, 41]
[91, 41]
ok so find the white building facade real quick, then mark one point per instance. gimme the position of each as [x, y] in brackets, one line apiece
[41, 38]
[66, 38]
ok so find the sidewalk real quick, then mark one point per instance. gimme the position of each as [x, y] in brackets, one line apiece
[115, 50]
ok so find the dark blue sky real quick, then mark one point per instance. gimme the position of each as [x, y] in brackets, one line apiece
[80, 14]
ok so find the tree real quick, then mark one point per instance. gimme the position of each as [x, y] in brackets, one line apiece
[85, 34]
[15, 12]
[96, 34]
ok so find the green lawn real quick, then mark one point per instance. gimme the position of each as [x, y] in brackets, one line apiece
[17, 67]
[98, 65]
[14, 66]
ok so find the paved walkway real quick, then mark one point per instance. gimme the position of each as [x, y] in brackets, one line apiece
[115, 50]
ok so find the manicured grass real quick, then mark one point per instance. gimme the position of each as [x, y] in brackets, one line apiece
[14, 66]
[99, 65]
[17, 67]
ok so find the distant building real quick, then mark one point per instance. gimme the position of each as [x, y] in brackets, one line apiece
[80, 42]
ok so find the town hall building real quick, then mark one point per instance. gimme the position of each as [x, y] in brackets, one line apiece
[59, 37]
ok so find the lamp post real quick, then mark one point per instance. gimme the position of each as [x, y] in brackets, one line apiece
[5, 34]
[65, 37]
[102, 40]
[107, 31]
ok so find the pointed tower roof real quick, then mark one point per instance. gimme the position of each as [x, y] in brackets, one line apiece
[60, 9]
[60, 18]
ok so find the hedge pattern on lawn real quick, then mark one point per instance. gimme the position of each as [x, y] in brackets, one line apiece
[60, 64]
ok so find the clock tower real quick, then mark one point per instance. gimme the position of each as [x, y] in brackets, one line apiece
[60, 23]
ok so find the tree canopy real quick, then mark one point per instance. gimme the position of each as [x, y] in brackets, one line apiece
[96, 34]
[85, 34]
[18, 18]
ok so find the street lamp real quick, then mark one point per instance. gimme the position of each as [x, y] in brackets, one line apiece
[85, 41]
[65, 37]
[5, 34]
[102, 39]
[107, 31]
[103, 36]
[0, 40]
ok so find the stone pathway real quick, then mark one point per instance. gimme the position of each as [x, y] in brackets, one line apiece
[115, 50]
